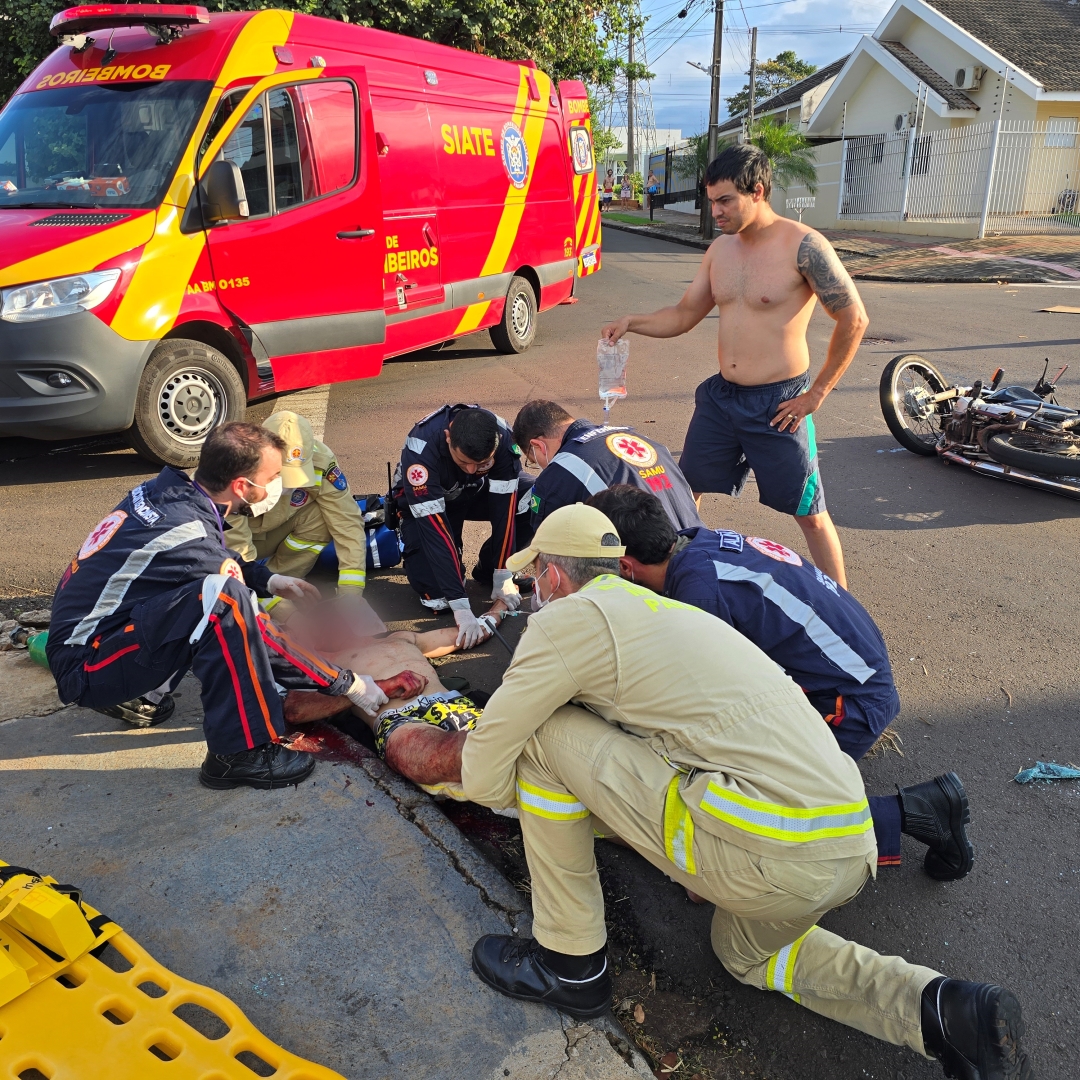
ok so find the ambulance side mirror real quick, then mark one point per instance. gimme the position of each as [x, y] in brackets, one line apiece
[223, 194]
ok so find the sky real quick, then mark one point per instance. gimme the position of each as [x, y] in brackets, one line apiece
[819, 31]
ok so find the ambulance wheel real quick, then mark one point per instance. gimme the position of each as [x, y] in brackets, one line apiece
[515, 333]
[187, 389]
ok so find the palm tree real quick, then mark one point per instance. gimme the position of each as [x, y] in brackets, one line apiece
[789, 153]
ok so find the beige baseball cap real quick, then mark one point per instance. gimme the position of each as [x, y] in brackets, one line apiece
[578, 532]
[297, 470]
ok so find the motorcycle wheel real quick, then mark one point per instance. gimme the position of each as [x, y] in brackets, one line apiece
[911, 372]
[1052, 455]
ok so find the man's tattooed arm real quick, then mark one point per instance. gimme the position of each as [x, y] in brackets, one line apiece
[825, 273]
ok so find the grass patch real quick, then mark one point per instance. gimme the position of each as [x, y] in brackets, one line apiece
[629, 219]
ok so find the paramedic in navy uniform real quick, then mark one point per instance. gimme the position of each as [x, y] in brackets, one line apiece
[817, 632]
[579, 459]
[154, 591]
[458, 464]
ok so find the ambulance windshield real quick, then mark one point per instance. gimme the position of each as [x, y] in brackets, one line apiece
[96, 146]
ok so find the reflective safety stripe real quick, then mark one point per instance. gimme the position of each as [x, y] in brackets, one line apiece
[112, 596]
[354, 578]
[373, 549]
[820, 632]
[502, 487]
[293, 544]
[426, 509]
[580, 470]
[417, 446]
[525, 500]
[678, 829]
[555, 805]
[780, 974]
[794, 824]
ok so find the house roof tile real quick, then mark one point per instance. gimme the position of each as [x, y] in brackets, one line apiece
[1038, 36]
[788, 96]
[955, 99]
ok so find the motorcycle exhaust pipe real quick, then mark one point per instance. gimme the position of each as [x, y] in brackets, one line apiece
[1017, 476]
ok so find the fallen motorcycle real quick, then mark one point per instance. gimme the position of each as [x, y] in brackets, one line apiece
[1008, 432]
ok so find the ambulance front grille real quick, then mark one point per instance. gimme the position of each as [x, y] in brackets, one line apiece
[80, 219]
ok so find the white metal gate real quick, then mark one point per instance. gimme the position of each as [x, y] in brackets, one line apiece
[941, 176]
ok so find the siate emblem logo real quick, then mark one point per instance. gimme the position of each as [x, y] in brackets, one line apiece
[515, 154]
[774, 550]
[632, 449]
[417, 475]
[102, 533]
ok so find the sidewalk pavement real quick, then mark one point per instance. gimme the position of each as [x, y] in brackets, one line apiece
[884, 257]
[338, 915]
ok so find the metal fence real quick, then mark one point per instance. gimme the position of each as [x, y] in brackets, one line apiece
[942, 176]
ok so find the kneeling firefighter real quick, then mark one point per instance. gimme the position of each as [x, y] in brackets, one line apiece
[315, 507]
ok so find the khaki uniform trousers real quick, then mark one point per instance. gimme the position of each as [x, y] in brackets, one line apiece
[294, 546]
[578, 768]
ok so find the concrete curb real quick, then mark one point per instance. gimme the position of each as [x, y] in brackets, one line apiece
[659, 233]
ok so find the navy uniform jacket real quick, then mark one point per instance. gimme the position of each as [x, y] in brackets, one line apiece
[816, 631]
[593, 458]
[429, 484]
[166, 533]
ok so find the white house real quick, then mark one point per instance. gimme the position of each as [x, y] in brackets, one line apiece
[956, 117]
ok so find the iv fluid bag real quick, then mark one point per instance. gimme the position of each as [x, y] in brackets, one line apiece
[611, 358]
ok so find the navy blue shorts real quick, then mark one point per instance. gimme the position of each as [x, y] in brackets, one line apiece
[729, 435]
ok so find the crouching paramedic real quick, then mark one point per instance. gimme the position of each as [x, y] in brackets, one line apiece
[459, 464]
[315, 507]
[818, 633]
[154, 590]
[579, 459]
[687, 741]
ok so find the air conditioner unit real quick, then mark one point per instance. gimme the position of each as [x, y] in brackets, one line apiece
[898, 123]
[968, 78]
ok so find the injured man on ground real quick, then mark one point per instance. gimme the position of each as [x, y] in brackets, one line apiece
[420, 731]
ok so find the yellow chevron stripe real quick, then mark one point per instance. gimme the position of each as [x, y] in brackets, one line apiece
[154, 297]
[81, 255]
[514, 204]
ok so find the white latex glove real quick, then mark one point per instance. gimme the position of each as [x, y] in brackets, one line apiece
[504, 589]
[291, 588]
[471, 631]
[366, 695]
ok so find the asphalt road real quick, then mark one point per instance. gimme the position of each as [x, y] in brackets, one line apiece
[972, 581]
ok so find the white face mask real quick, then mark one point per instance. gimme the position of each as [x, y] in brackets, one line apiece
[269, 501]
[538, 601]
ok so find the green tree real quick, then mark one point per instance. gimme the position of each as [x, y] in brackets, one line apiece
[691, 164]
[791, 156]
[567, 38]
[783, 70]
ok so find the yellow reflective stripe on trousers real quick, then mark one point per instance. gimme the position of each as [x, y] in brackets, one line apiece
[678, 829]
[555, 805]
[797, 825]
[293, 544]
[780, 974]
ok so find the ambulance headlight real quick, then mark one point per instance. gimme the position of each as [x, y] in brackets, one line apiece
[61, 296]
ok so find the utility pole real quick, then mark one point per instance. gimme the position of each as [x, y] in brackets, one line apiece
[753, 82]
[714, 110]
[630, 102]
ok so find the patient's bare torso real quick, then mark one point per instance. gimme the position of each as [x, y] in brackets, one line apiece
[383, 657]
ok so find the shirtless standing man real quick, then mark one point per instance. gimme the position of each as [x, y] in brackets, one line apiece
[763, 273]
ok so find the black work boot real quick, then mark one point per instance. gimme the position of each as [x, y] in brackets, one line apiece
[516, 967]
[269, 766]
[935, 814]
[138, 712]
[974, 1030]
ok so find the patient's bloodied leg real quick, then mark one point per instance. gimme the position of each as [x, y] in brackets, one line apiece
[426, 754]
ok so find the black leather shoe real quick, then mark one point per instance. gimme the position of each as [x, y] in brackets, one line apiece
[514, 967]
[138, 712]
[269, 766]
[935, 813]
[974, 1030]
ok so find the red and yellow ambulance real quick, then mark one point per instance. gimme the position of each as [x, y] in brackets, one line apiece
[200, 210]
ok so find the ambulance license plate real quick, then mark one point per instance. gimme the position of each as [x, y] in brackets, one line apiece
[588, 259]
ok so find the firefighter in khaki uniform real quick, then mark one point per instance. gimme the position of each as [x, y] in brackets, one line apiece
[697, 750]
[318, 508]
